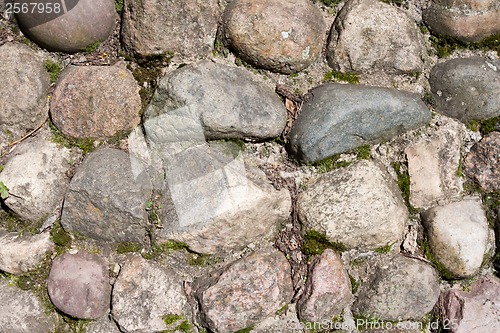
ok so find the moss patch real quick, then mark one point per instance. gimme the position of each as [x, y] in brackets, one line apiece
[403, 182]
[446, 45]
[384, 249]
[178, 322]
[339, 76]
[330, 163]
[424, 246]
[86, 145]
[245, 330]
[119, 6]
[91, 48]
[330, 3]
[54, 69]
[128, 247]
[61, 238]
[315, 243]
[354, 284]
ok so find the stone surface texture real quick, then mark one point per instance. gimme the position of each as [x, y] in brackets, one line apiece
[285, 43]
[96, 101]
[483, 162]
[373, 35]
[252, 288]
[143, 293]
[458, 235]
[24, 89]
[71, 28]
[431, 162]
[397, 288]
[38, 190]
[79, 285]
[341, 117]
[187, 28]
[217, 100]
[475, 310]
[359, 206]
[106, 200]
[21, 312]
[19, 254]
[103, 325]
[467, 88]
[467, 20]
[327, 289]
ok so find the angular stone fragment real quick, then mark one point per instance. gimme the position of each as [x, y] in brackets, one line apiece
[341, 117]
[467, 20]
[458, 235]
[18, 254]
[96, 101]
[397, 288]
[144, 294]
[372, 35]
[284, 36]
[107, 198]
[327, 290]
[483, 162]
[222, 101]
[184, 28]
[245, 293]
[467, 88]
[359, 206]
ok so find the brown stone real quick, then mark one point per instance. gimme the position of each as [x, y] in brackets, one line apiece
[285, 36]
[96, 101]
[483, 162]
[467, 20]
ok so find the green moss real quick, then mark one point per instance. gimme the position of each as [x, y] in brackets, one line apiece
[403, 182]
[54, 69]
[4, 191]
[91, 48]
[245, 330]
[158, 249]
[354, 284]
[61, 238]
[446, 45]
[315, 243]
[356, 262]
[489, 125]
[173, 320]
[330, 3]
[202, 260]
[330, 163]
[86, 145]
[119, 6]
[363, 152]
[339, 76]
[127, 247]
[424, 246]
[281, 310]
[384, 249]
[1, 168]
[398, 3]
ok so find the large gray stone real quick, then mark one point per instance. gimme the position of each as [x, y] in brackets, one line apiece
[96, 101]
[23, 92]
[341, 117]
[474, 311]
[18, 254]
[287, 42]
[483, 162]
[327, 290]
[35, 175]
[373, 35]
[21, 312]
[144, 293]
[458, 235]
[79, 285]
[226, 102]
[433, 162]
[467, 88]
[106, 200]
[245, 293]
[359, 206]
[186, 28]
[467, 20]
[397, 288]
[103, 325]
[217, 202]
[69, 26]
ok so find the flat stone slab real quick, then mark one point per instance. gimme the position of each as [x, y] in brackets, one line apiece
[467, 88]
[359, 206]
[96, 101]
[18, 254]
[458, 235]
[341, 117]
[251, 288]
[285, 43]
[106, 199]
[145, 293]
[79, 285]
[373, 35]
[221, 101]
